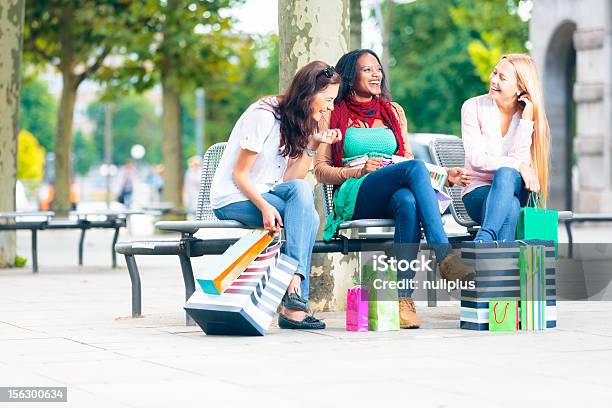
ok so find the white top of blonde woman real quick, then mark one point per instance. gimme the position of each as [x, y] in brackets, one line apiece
[486, 149]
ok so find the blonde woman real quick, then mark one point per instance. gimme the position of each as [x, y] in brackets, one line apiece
[507, 143]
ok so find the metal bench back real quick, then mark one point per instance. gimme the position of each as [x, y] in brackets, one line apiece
[327, 192]
[448, 152]
[210, 162]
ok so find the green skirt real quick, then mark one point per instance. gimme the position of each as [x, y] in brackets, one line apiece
[345, 199]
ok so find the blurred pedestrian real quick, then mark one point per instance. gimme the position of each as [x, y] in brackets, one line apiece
[127, 179]
[191, 183]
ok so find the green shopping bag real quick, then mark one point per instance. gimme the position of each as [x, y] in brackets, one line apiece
[503, 315]
[383, 303]
[537, 222]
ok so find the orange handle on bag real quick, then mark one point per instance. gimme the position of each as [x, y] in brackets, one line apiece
[229, 275]
[495, 313]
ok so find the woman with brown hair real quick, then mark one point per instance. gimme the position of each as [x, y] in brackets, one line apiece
[507, 146]
[259, 181]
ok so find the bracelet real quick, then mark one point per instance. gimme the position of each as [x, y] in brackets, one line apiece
[310, 152]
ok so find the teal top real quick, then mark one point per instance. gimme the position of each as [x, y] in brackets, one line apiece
[358, 142]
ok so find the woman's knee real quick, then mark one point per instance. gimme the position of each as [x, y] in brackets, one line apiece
[403, 203]
[301, 190]
[414, 165]
[506, 175]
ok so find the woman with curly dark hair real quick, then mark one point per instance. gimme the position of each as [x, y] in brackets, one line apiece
[374, 130]
[259, 181]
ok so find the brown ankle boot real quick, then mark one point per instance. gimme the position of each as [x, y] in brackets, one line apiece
[407, 313]
[453, 268]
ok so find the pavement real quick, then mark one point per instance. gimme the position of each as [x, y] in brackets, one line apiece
[71, 326]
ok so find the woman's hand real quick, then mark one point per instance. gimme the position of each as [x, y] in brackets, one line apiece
[530, 178]
[527, 113]
[329, 136]
[459, 176]
[370, 165]
[271, 217]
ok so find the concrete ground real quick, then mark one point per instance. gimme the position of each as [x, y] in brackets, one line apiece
[71, 326]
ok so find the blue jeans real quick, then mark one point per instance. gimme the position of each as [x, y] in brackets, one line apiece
[294, 200]
[497, 207]
[404, 193]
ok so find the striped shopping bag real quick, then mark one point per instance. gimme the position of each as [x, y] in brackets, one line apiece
[496, 265]
[246, 307]
[221, 273]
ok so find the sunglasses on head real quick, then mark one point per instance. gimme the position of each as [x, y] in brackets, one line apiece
[328, 72]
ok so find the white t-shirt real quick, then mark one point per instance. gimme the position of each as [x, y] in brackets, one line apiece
[256, 130]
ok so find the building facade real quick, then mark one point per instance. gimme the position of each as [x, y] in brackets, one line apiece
[572, 45]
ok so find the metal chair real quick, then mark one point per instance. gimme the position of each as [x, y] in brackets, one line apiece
[205, 218]
[210, 162]
[448, 152]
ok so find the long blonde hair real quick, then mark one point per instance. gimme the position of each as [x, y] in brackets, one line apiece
[528, 80]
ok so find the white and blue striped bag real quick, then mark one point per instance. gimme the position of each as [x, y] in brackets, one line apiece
[498, 276]
[246, 307]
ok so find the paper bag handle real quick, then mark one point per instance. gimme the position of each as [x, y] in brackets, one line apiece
[495, 313]
[537, 200]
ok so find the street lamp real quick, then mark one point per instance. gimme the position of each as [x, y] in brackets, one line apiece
[137, 151]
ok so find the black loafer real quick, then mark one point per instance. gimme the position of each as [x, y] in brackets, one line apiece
[309, 323]
[294, 301]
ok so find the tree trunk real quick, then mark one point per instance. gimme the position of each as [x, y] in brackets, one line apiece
[356, 19]
[63, 146]
[172, 149]
[65, 114]
[310, 30]
[11, 48]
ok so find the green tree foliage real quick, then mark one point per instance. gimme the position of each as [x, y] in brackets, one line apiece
[258, 77]
[76, 37]
[183, 45]
[186, 43]
[258, 59]
[30, 157]
[431, 70]
[438, 60]
[38, 112]
[497, 27]
[134, 121]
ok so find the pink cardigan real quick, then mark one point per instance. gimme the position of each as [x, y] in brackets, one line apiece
[485, 148]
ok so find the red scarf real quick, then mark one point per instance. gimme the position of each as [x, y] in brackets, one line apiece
[366, 112]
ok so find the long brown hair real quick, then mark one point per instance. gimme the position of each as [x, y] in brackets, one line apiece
[528, 80]
[294, 109]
